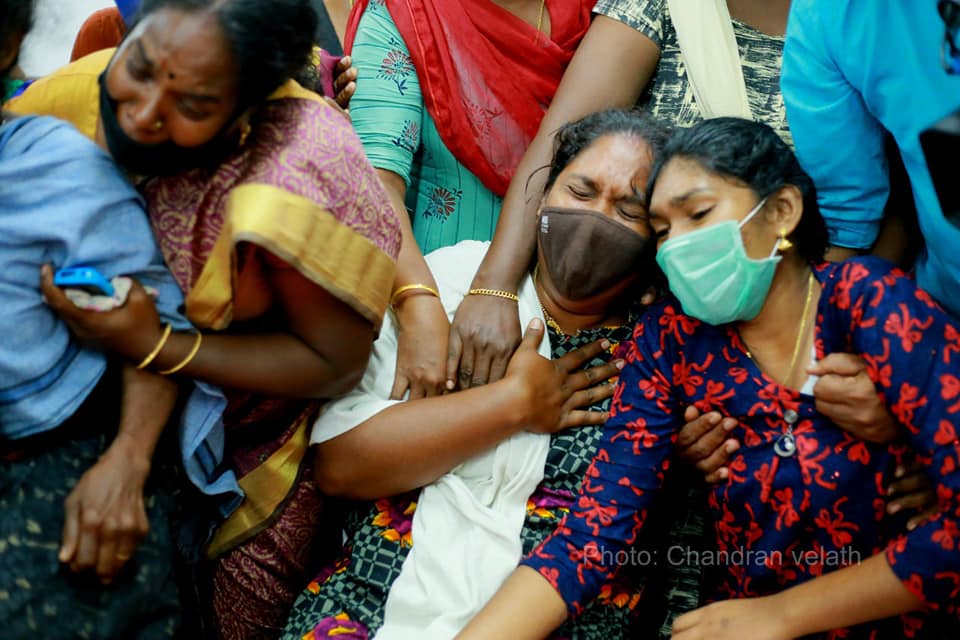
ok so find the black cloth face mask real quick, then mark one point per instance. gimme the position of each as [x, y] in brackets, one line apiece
[587, 253]
[164, 159]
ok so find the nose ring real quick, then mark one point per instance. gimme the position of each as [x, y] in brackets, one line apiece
[158, 125]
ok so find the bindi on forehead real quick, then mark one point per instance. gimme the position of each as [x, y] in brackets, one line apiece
[188, 46]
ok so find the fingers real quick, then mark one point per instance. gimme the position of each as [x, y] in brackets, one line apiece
[498, 367]
[719, 458]
[923, 517]
[533, 336]
[712, 426]
[344, 73]
[593, 395]
[89, 543]
[71, 530]
[454, 353]
[54, 295]
[583, 418]
[400, 386]
[345, 95]
[576, 358]
[481, 370]
[107, 550]
[465, 373]
[718, 476]
[918, 500]
[908, 483]
[841, 364]
[593, 375]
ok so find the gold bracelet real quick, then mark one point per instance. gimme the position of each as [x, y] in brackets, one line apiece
[496, 293]
[185, 361]
[157, 349]
[413, 287]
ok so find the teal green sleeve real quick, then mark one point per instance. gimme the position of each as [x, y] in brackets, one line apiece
[387, 109]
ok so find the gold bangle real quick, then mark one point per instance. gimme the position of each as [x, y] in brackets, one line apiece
[413, 287]
[185, 361]
[496, 293]
[157, 349]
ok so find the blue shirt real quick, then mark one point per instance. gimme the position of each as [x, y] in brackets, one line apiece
[850, 70]
[64, 202]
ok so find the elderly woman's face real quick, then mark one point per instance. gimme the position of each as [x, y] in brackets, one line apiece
[610, 177]
[174, 79]
[687, 197]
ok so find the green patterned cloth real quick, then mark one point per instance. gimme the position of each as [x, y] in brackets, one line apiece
[347, 600]
[447, 203]
[669, 96]
[8, 87]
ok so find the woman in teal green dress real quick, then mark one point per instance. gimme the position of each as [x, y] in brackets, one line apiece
[445, 127]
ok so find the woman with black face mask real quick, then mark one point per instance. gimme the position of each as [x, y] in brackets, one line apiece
[281, 238]
[478, 475]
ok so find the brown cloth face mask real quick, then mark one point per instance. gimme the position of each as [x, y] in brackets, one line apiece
[586, 252]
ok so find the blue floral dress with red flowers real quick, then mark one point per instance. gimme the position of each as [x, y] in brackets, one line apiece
[781, 520]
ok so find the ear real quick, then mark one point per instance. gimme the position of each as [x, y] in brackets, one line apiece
[784, 209]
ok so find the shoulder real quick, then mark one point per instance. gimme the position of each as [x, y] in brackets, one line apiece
[646, 16]
[869, 282]
[48, 141]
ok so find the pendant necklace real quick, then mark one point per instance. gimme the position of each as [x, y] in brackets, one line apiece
[786, 444]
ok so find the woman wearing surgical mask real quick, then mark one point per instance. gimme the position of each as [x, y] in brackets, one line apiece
[803, 543]
[499, 464]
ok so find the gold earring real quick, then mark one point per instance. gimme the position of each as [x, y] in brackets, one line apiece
[785, 244]
[244, 133]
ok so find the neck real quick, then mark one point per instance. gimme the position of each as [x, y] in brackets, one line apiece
[573, 315]
[533, 12]
[773, 336]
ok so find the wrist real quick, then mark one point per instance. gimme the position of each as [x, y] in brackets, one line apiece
[788, 612]
[517, 402]
[134, 454]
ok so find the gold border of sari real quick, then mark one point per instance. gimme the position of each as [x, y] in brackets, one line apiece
[303, 234]
[267, 488]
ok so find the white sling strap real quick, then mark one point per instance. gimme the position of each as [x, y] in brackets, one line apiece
[710, 55]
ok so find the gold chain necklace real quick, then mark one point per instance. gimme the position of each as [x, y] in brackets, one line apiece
[786, 444]
[540, 22]
[551, 322]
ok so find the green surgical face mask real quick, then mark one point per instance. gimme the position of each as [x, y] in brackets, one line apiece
[712, 276]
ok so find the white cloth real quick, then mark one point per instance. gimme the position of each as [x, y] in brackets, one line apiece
[709, 50]
[466, 529]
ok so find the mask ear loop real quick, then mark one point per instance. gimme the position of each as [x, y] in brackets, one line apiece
[781, 243]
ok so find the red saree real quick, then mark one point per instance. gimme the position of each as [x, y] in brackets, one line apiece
[487, 76]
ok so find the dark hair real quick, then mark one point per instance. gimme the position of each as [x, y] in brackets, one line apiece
[270, 39]
[16, 18]
[752, 154]
[574, 137]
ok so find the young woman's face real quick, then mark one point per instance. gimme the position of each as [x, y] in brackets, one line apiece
[687, 197]
[609, 177]
[174, 79]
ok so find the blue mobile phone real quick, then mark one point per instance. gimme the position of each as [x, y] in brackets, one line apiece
[84, 278]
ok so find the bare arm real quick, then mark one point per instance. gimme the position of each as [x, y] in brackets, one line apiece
[423, 324]
[105, 517]
[610, 69]
[853, 595]
[322, 353]
[411, 444]
[525, 608]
